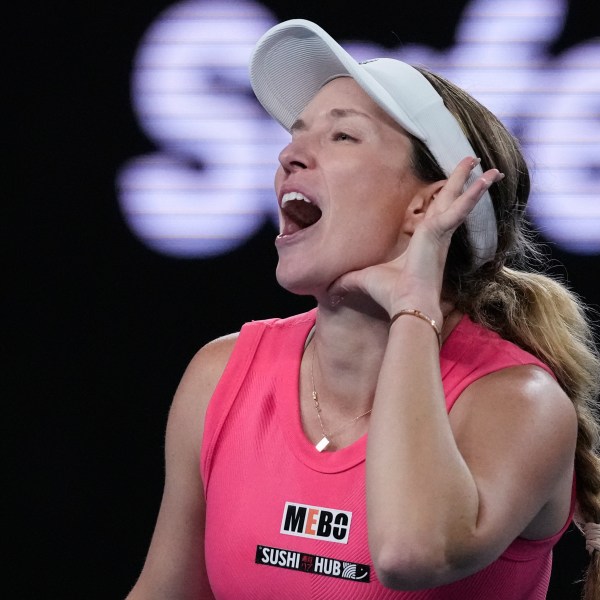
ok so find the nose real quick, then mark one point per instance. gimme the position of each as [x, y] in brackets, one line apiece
[296, 155]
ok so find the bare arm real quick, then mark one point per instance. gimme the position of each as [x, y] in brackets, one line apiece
[174, 567]
[446, 495]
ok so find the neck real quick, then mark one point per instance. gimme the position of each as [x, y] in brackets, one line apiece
[341, 363]
[349, 350]
[350, 347]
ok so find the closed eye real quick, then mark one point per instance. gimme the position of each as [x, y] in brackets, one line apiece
[342, 136]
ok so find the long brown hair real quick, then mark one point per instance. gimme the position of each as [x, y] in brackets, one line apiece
[513, 296]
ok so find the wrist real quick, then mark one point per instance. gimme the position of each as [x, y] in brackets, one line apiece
[436, 325]
[432, 309]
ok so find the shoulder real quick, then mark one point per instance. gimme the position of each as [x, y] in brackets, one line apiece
[519, 389]
[506, 374]
[207, 365]
[519, 414]
[513, 404]
[205, 369]
[474, 343]
[517, 430]
[195, 389]
[530, 387]
[473, 353]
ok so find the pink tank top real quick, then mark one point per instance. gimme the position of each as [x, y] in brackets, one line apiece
[285, 522]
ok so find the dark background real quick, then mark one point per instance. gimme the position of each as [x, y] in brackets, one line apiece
[99, 328]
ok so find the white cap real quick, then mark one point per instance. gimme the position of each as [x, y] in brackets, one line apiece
[295, 59]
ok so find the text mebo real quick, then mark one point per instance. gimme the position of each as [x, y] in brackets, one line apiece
[316, 522]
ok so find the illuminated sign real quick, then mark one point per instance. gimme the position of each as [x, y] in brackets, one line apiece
[209, 185]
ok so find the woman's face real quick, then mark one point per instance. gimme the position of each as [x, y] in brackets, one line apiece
[343, 186]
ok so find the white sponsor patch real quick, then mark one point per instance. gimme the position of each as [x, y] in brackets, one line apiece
[316, 522]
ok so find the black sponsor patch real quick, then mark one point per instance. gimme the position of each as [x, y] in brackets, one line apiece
[310, 563]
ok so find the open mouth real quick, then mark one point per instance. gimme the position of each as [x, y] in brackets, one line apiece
[298, 213]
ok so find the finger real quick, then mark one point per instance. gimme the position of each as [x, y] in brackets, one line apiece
[455, 183]
[469, 198]
[459, 209]
[346, 284]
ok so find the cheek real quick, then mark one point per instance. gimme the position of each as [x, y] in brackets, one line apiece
[374, 238]
[380, 226]
[278, 178]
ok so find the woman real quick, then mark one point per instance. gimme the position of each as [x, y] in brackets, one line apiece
[474, 381]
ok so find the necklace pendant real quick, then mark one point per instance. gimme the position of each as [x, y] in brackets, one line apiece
[322, 444]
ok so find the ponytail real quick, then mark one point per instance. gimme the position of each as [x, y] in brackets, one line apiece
[537, 313]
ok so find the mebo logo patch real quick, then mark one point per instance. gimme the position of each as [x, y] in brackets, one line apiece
[316, 522]
[310, 563]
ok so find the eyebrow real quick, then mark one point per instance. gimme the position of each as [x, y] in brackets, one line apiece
[335, 113]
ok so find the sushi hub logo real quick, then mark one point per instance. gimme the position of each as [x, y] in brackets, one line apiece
[311, 563]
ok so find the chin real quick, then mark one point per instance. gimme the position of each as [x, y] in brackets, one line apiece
[301, 284]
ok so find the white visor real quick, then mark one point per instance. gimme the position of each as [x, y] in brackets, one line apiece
[295, 59]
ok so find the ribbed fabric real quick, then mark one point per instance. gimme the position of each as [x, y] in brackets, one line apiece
[255, 459]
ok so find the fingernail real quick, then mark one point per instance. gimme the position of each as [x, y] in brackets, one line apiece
[475, 162]
[489, 182]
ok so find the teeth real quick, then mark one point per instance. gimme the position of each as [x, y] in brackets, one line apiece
[294, 196]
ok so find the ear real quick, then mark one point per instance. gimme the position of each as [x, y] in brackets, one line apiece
[421, 201]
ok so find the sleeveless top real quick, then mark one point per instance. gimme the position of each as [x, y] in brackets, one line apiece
[285, 522]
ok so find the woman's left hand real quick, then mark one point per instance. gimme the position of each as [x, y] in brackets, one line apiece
[414, 279]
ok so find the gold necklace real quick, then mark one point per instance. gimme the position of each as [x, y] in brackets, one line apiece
[326, 439]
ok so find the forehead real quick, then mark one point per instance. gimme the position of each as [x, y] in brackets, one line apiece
[345, 94]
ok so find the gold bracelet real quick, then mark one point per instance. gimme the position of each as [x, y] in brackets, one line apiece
[417, 313]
